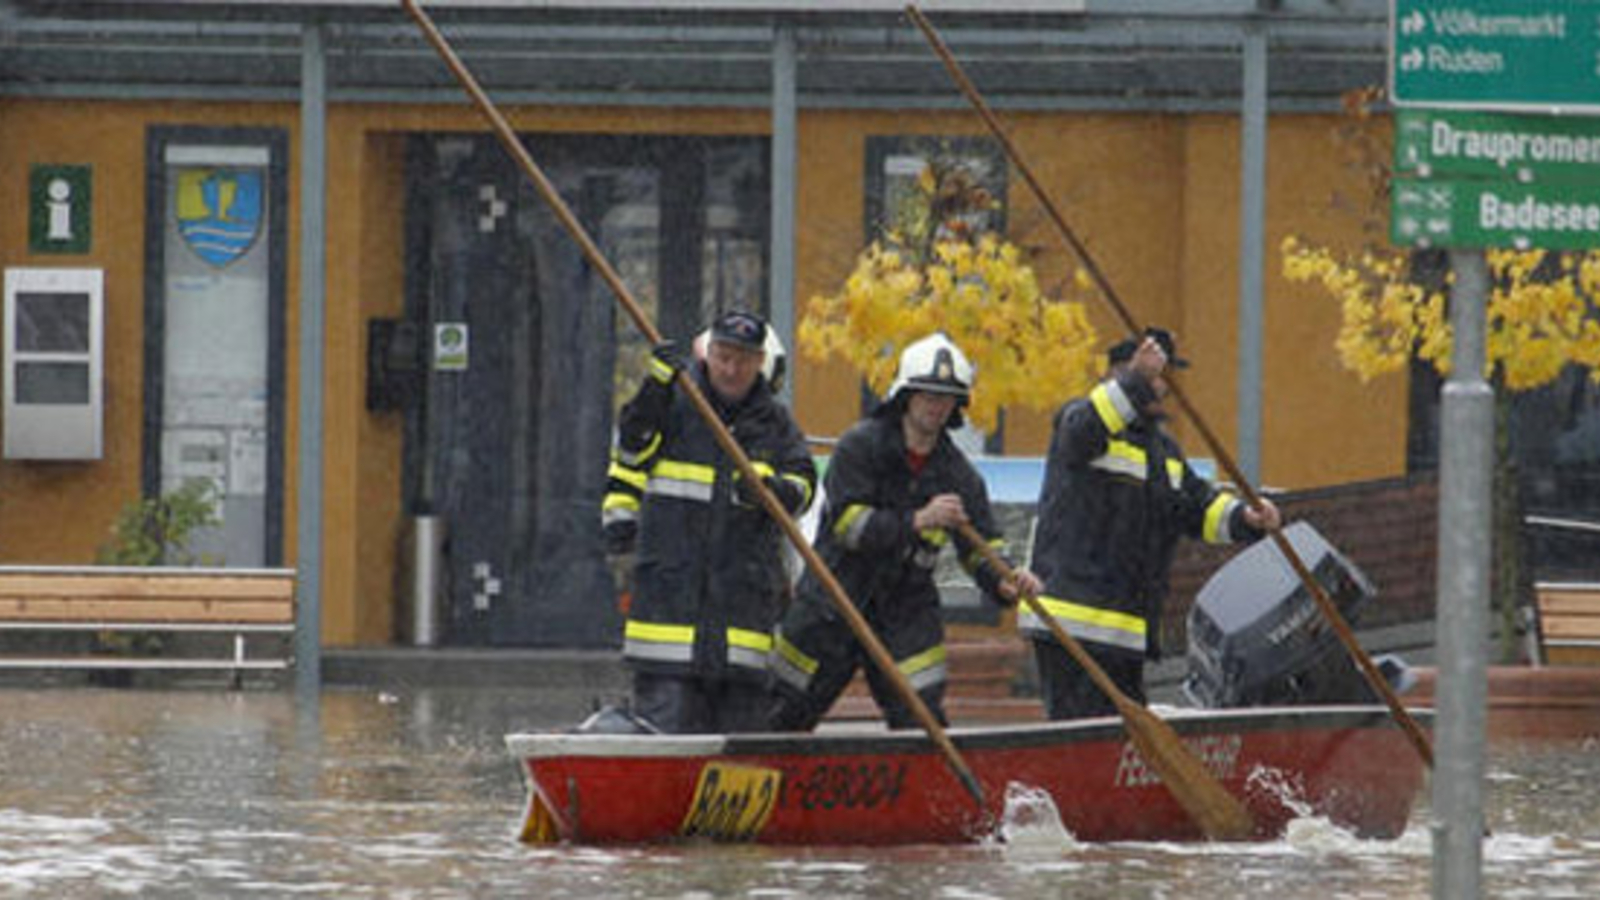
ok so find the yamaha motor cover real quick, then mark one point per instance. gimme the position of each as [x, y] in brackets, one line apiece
[1257, 637]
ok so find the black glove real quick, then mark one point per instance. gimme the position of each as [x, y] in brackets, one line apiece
[787, 492]
[669, 359]
[620, 536]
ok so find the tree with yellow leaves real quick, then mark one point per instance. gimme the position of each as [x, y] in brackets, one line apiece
[936, 271]
[1542, 317]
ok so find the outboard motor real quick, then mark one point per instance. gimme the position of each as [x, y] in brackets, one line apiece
[1258, 638]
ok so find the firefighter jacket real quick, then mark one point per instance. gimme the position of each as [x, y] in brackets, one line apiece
[884, 565]
[1116, 497]
[709, 580]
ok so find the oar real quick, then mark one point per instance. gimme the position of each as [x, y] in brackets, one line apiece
[1330, 612]
[841, 601]
[1218, 813]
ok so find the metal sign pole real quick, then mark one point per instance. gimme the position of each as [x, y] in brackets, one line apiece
[1466, 459]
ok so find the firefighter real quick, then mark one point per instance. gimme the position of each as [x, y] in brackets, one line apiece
[897, 487]
[709, 580]
[1117, 495]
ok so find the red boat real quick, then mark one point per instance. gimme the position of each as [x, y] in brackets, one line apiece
[1350, 764]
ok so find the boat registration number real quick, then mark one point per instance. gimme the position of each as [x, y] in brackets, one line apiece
[732, 802]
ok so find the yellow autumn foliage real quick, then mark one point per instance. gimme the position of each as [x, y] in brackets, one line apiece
[1542, 313]
[1030, 350]
[936, 272]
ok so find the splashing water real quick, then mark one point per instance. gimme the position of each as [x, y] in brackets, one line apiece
[1031, 823]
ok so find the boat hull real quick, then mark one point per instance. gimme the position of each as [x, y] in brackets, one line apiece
[1348, 764]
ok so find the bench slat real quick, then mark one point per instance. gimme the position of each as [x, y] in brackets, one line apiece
[1572, 656]
[114, 586]
[1588, 627]
[138, 662]
[1570, 603]
[145, 610]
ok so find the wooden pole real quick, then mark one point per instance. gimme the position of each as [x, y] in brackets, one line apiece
[1325, 604]
[1219, 814]
[591, 251]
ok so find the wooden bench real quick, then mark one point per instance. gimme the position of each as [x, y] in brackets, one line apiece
[236, 603]
[1569, 623]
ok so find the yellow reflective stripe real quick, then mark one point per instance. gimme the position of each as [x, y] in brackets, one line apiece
[637, 458]
[851, 522]
[763, 469]
[932, 656]
[796, 657]
[658, 633]
[619, 500]
[926, 669]
[1105, 406]
[1089, 615]
[804, 486]
[1122, 458]
[1130, 452]
[935, 536]
[628, 475]
[660, 371]
[791, 665]
[976, 557]
[1175, 473]
[684, 471]
[1215, 530]
[751, 640]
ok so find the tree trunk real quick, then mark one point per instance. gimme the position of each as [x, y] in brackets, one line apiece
[1511, 582]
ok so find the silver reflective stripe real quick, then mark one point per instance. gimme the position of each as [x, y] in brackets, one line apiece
[928, 677]
[788, 673]
[854, 521]
[791, 664]
[1224, 521]
[619, 514]
[683, 490]
[748, 657]
[1029, 623]
[1119, 465]
[633, 460]
[658, 651]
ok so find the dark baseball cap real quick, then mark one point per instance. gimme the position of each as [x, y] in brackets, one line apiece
[740, 328]
[1123, 350]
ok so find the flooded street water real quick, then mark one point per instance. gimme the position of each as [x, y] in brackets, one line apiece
[196, 793]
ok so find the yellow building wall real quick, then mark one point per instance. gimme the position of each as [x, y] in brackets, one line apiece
[1156, 200]
[1320, 424]
[1154, 196]
[60, 512]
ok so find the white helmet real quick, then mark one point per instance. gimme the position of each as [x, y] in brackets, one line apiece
[774, 367]
[934, 365]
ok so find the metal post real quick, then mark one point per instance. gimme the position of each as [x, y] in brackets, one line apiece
[313, 269]
[784, 156]
[1252, 213]
[1466, 450]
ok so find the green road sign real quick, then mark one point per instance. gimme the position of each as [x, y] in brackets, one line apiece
[1495, 214]
[1532, 55]
[1433, 143]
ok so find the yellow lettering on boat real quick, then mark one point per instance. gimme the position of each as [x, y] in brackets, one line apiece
[539, 824]
[732, 802]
